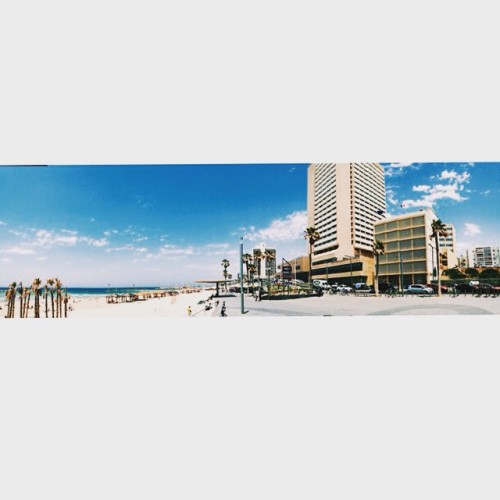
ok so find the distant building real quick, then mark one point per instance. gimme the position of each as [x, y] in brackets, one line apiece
[449, 241]
[449, 259]
[486, 257]
[265, 266]
[409, 251]
[300, 268]
[463, 261]
[344, 200]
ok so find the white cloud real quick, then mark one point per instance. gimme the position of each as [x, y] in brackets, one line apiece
[450, 191]
[41, 258]
[125, 248]
[215, 249]
[48, 239]
[391, 195]
[471, 229]
[174, 250]
[423, 187]
[93, 242]
[5, 260]
[451, 174]
[2, 223]
[287, 229]
[396, 169]
[18, 250]
[397, 165]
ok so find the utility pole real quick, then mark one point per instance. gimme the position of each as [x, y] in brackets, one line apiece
[242, 295]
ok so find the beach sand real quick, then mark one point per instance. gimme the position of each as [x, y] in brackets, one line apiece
[170, 306]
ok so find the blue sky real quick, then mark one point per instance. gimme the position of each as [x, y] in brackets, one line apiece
[173, 224]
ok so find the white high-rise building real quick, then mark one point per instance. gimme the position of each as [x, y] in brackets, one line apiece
[344, 200]
[265, 261]
[486, 257]
[449, 241]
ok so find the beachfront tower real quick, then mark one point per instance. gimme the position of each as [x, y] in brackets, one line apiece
[344, 200]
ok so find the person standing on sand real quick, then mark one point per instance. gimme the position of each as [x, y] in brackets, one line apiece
[189, 311]
[223, 310]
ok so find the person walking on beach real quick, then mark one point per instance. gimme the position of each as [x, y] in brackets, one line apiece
[189, 311]
[223, 310]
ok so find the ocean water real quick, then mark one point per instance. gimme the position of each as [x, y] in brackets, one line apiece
[81, 292]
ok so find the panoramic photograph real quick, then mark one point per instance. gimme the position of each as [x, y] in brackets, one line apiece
[234, 240]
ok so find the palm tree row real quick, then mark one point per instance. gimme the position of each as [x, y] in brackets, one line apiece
[24, 297]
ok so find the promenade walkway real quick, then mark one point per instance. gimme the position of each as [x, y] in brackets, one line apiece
[335, 305]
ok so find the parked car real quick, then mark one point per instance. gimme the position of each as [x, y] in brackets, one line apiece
[323, 284]
[484, 288]
[418, 289]
[444, 288]
[344, 289]
[363, 287]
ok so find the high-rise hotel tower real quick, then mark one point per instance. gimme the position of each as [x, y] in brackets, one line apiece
[344, 200]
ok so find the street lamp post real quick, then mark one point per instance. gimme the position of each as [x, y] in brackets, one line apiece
[242, 295]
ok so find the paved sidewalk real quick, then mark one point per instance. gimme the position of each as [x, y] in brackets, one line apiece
[338, 305]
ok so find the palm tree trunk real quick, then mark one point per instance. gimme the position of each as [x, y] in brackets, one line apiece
[438, 266]
[21, 304]
[310, 263]
[376, 274]
[28, 305]
[52, 301]
[46, 304]
[13, 304]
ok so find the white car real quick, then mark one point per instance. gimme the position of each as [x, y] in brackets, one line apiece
[416, 289]
[323, 284]
[344, 289]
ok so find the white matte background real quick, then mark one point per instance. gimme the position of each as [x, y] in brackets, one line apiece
[249, 408]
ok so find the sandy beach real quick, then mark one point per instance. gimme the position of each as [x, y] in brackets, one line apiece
[170, 306]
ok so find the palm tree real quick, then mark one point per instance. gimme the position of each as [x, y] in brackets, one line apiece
[251, 269]
[257, 257]
[378, 250]
[11, 296]
[269, 256]
[50, 283]
[45, 296]
[247, 260]
[27, 297]
[20, 291]
[312, 236]
[66, 303]
[438, 229]
[35, 286]
[7, 299]
[225, 264]
[58, 287]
